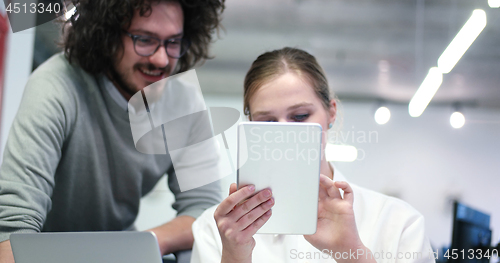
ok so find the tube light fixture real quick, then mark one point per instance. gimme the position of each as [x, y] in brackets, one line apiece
[70, 13]
[494, 3]
[462, 41]
[425, 92]
[340, 153]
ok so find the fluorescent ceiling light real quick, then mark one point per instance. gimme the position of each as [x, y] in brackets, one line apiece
[70, 13]
[457, 120]
[340, 153]
[382, 115]
[494, 3]
[462, 41]
[425, 92]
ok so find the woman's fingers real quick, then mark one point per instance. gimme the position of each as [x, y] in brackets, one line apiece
[257, 224]
[232, 188]
[243, 212]
[254, 214]
[329, 186]
[228, 204]
[348, 194]
[322, 191]
[332, 188]
[250, 204]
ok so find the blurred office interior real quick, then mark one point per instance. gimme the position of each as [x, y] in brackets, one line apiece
[376, 53]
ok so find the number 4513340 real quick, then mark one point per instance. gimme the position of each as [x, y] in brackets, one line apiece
[33, 8]
[470, 254]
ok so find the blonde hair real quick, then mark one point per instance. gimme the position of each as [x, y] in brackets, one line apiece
[273, 64]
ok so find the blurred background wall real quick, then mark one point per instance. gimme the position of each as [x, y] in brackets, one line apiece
[375, 53]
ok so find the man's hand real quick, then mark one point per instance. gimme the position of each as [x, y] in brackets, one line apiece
[6, 252]
[174, 236]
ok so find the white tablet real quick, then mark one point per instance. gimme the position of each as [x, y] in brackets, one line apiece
[284, 157]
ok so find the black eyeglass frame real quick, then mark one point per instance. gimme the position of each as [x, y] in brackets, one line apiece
[161, 42]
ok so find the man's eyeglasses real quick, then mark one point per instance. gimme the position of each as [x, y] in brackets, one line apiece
[146, 45]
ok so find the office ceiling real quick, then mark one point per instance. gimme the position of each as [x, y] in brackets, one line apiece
[372, 50]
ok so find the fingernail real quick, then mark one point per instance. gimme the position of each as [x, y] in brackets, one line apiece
[270, 201]
[251, 188]
[267, 193]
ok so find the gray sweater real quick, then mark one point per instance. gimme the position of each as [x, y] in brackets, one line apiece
[70, 163]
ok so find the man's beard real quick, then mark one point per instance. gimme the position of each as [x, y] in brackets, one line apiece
[128, 86]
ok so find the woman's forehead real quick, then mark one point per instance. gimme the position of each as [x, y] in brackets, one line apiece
[286, 90]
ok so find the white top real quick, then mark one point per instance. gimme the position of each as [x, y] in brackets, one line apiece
[389, 227]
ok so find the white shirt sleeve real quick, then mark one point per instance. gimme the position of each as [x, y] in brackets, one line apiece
[207, 245]
[414, 242]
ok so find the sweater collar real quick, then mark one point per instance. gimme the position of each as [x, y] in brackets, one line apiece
[114, 93]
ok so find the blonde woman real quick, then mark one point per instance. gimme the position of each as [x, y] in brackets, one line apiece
[288, 85]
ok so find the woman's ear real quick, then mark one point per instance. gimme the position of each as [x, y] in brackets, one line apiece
[333, 111]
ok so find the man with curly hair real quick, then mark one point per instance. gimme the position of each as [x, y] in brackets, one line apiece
[70, 163]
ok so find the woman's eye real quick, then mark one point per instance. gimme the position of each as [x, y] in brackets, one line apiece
[301, 117]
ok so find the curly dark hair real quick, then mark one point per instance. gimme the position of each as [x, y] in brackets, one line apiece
[92, 36]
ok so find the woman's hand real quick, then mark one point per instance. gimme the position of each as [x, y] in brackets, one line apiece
[238, 218]
[336, 230]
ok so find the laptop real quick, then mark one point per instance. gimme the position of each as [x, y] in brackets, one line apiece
[85, 247]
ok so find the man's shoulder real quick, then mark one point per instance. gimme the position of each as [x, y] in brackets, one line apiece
[58, 79]
[58, 69]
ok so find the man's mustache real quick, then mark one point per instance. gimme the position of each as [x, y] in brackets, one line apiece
[152, 67]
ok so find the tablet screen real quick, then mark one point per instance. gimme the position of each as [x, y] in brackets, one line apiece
[284, 157]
